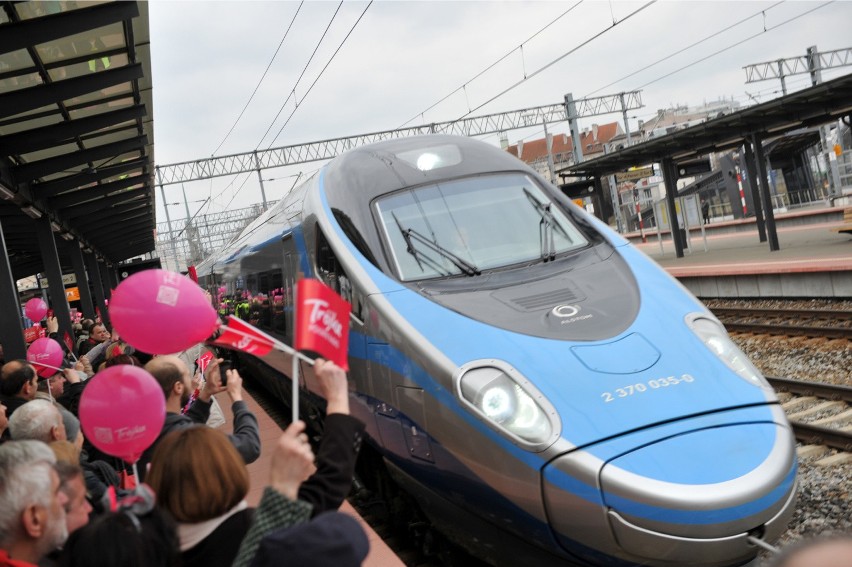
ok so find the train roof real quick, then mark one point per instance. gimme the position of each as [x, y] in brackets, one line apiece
[383, 167]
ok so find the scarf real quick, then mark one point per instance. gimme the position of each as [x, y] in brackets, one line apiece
[193, 534]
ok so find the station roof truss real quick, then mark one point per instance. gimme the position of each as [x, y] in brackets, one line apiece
[76, 128]
[813, 106]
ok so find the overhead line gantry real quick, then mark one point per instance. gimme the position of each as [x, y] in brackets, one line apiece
[219, 166]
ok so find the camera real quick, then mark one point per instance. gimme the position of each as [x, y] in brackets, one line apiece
[223, 372]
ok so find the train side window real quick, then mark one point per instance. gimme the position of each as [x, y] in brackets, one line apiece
[332, 274]
[328, 268]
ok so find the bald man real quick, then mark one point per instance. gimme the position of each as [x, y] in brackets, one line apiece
[18, 385]
[175, 379]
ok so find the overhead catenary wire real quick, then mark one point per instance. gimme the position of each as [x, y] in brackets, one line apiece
[688, 47]
[286, 32]
[310, 88]
[322, 71]
[210, 198]
[292, 92]
[491, 66]
[573, 50]
[558, 59]
[692, 45]
[765, 30]
[302, 74]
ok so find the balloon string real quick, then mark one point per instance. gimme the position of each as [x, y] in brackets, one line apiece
[45, 365]
[275, 343]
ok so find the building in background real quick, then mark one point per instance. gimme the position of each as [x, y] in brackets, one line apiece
[594, 142]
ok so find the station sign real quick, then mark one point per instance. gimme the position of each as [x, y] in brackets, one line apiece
[72, 293]
[634, 174]
[32, 282]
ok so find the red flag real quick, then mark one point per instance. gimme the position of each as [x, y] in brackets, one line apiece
[33, 333]
[322, 321]
[240, 335]
[193, 274]
[68, 342]
[203, 360]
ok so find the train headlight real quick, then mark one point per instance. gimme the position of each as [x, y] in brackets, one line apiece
[508, 403]
[714, 335]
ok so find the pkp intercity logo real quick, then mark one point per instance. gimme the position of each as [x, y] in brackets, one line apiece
[569, 314]
[565, 311]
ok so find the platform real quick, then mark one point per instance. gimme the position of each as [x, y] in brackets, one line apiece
[380, 554]
[727, 259]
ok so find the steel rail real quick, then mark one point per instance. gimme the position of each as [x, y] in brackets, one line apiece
[818, 389]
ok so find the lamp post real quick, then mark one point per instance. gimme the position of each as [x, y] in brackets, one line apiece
[639, 214]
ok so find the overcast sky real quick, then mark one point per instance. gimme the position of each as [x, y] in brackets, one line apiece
[404, 57]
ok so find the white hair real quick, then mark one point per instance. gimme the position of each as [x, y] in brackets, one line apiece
[25, 479]
[34, 420]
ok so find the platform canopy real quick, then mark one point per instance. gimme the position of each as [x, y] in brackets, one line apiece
[813, 106]
[76, 128]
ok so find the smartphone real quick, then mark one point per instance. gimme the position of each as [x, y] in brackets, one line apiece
[224, 366]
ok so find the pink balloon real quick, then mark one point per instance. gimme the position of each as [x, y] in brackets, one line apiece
[45, 351]
[35, 309]
[161, 312]
[122, 411]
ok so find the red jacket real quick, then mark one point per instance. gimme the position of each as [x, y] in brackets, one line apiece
[6, 561]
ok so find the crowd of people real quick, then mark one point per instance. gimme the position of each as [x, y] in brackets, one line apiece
[63, 502]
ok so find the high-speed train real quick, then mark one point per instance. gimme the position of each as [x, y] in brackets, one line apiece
[544, 391]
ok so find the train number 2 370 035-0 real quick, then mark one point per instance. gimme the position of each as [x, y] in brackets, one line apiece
[649, 386]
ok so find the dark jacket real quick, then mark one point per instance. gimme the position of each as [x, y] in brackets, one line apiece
[99, 476]
[221, 546]
[85, 346]
[246, 436]
[328, 487]
[70, 398]
[12, 403]
[322, 491]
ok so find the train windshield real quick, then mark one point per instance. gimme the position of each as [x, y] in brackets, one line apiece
[464, 226]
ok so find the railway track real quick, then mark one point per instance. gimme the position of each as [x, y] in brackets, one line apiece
[820, 414]
[812, 323]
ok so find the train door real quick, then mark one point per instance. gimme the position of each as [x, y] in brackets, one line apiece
[283, 322]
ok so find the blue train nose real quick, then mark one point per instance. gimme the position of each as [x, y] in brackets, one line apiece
[688, 497]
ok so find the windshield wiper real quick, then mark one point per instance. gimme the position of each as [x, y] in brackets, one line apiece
[546, 227]
[410, 235]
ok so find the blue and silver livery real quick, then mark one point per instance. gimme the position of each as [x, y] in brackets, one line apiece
[543, 390]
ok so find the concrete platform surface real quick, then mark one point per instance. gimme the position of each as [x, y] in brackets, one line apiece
[727, 259]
